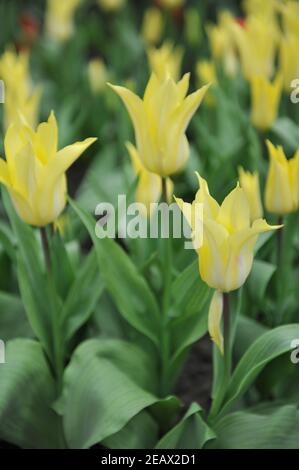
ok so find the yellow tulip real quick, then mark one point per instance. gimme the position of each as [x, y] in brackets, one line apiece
[262, 8]
[97, 75]
[222, 43]
[206, 73]
[193, 26]
[152, 26]
[256, 42]
[166, 61]
[20, 97]
[282, 186]
[265, 98]
[226, 253]
[290, 17]
[111, 5]
[149, 188]
[160, 121]
[251, 185]
[60, 18]
[34, 171]
[172, 3]
[289, 60]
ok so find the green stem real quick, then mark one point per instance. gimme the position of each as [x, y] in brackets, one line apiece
[167, 278]
[227, 360]
[57, 359]
[280, 272]
[226, 337]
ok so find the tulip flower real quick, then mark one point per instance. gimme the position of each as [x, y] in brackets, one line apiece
[266, 9]
[222, 43]
[289, 59]
[256, 42]
[282, 185]
[160, 121]
[97, 75]
[265, 98]
[171, 4]
[226, 253]
[34, 170]
[20, 97]
[166, 61]
[60, 18]
[206, 73]
[149, 188]
[111, 5]
[250, 184]
[152, 26]
[290, 17]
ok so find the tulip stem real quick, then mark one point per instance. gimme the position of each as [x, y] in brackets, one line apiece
[226, 337]
[46, 249]
[167, 278]
[57, 359]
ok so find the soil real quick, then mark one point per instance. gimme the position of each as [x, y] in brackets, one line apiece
[196, 379]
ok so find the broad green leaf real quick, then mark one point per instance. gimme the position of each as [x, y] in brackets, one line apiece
[190, 298]
[27, 391]
[288, 133]
[126, 285]
[82, 296]
[190, 433]
[259, 279]
[267, 347]
[248, 330]
[32, 277]
[107, 383]
[13, 321]
[276, 428]
[140, 433]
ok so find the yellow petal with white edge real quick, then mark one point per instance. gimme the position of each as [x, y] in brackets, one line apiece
[134, 107]
[210, 205]
[241, 249]
[278, 193]
[234, 212]
[183, 115]
[136, 162]
[66, 157]
[213, 254]
[46, 139]
[214, 319]
[4, 174]
[186, 209]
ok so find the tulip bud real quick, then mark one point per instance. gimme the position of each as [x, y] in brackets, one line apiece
[60, 18]
[97, 75]
[152, 26]
[282, 186]
[111, 5]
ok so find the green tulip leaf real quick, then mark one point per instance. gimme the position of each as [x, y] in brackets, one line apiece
[27, 392]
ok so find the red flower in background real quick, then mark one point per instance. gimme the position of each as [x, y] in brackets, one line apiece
[29, 31]
[241, 21]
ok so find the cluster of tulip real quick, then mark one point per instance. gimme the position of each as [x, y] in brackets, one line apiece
[129, 312]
